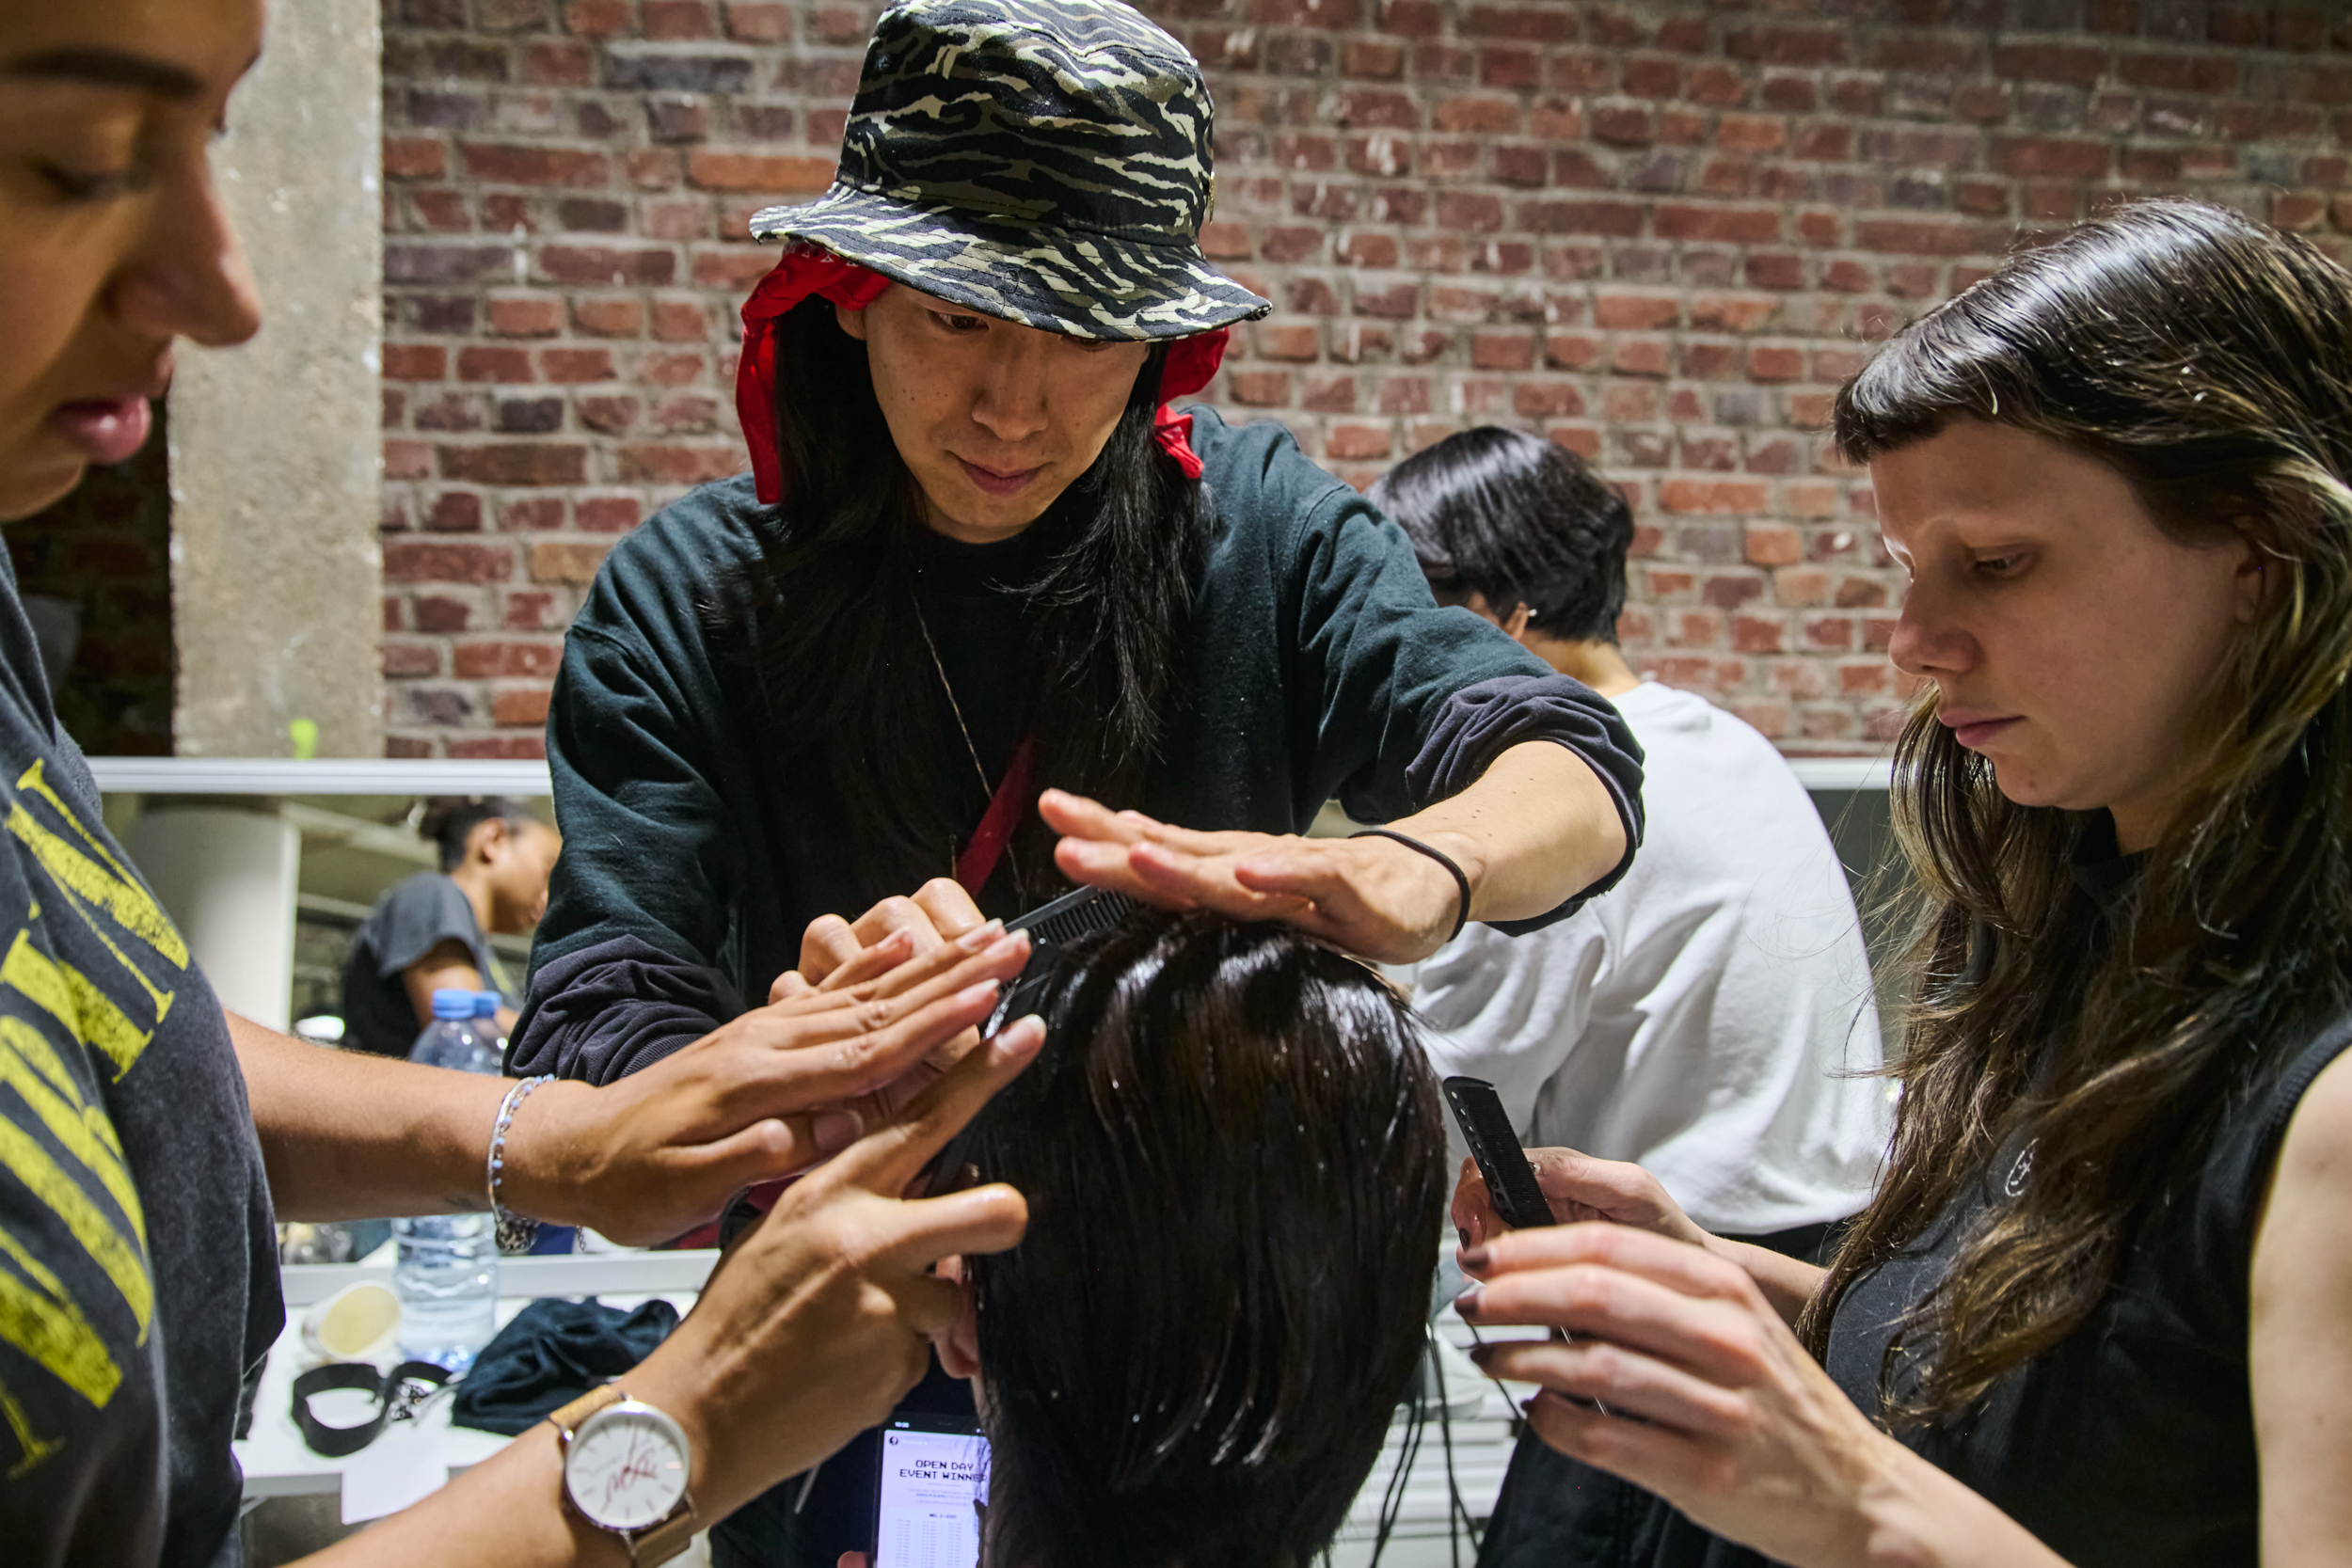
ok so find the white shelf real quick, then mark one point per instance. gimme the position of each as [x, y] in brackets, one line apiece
[450, 776]
[1843, 772]
[323, 776]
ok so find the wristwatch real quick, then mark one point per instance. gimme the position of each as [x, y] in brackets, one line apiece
[625, 1470]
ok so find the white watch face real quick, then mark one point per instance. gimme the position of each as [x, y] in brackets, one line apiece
[626, 1468]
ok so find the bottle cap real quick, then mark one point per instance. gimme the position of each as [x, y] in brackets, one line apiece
[486, 1003]
[448, 1001]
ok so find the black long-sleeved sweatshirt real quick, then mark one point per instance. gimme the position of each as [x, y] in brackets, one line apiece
[698, 850]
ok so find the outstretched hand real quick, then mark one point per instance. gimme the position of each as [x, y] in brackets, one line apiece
[769, 1095]
[820, 1318]
[1371, 896]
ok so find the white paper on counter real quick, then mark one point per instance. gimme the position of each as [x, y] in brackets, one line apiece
[402, 1468]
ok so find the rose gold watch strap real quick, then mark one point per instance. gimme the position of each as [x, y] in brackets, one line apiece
[665, 1540]
[567, 1417]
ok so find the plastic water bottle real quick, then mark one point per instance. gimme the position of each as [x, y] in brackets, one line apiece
[456, 1038]
[485, 1019]
[446, 1277]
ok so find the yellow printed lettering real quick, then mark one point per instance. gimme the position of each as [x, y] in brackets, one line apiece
[35, 779]
[88, 1014]
[70, 1124]
[35, 1448]
[41, 1320]
[122, 1264]
[35, 1048]
[160, 997]
[96, 884]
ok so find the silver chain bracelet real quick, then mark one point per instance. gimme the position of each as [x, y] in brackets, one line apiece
[514, 1232]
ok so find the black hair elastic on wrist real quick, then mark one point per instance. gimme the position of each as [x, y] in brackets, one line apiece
[1461, 917]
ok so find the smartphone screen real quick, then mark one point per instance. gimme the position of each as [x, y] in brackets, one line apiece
[934, 1479]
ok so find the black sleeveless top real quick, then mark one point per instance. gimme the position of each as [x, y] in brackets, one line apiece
[2130, 1445]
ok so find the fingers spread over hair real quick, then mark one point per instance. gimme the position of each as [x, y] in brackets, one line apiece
[1077, 816]
[948, 906]
[826, 945]
[895, 915]
[966, 1224]
[890, 1157]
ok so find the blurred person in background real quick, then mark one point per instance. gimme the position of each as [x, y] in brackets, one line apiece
[431, 932]
[1710, 1018]
[147, 1137]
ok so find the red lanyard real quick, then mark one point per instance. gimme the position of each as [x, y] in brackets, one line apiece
[1005, 809]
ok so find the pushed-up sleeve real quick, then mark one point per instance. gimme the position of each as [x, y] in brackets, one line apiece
[1418, 701]
[625, 968]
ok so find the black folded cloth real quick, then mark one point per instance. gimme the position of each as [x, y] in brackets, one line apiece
[552, 1353]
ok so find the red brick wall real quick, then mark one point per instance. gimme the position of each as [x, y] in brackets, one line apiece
[105, 551]
[1660, 232]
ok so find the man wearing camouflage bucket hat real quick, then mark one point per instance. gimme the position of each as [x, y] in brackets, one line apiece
[990, 617]
[1061, 185]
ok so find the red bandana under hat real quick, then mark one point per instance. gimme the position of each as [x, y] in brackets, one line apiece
[804, 271]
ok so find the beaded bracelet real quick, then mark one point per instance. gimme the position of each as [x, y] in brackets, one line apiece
[514, 1232]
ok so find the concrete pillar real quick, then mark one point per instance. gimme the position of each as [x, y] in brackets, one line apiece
[275, 448]
[225, 872]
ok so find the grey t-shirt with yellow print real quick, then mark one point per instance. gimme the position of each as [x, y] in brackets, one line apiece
[138, 1270]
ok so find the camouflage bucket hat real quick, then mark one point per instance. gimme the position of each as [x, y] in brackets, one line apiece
[1044, 161]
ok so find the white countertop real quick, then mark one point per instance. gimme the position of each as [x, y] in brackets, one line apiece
[277, 1462]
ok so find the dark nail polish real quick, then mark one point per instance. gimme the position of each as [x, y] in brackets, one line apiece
[1461, 1234]
[1466, 1302]
[1473, 1258]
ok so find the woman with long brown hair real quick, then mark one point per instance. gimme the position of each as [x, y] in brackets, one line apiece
[2100, 1310]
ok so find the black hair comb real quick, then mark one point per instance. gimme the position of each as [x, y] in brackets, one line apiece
[1051, 928]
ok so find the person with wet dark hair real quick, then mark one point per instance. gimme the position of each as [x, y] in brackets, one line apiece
[1192, 1358]
[1711, 1017]
[2099, 1310]
[429, 932]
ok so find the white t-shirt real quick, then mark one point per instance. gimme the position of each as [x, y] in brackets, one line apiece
[1706, 1017]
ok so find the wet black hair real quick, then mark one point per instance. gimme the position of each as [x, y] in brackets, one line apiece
[449, 821]
[1236, 1174]
[1519, 520]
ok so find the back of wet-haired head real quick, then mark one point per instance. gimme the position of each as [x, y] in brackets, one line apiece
[1236, 1172]
[1518, 520]
[449, 820]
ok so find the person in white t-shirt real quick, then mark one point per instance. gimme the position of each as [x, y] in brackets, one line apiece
[1712, 1018]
